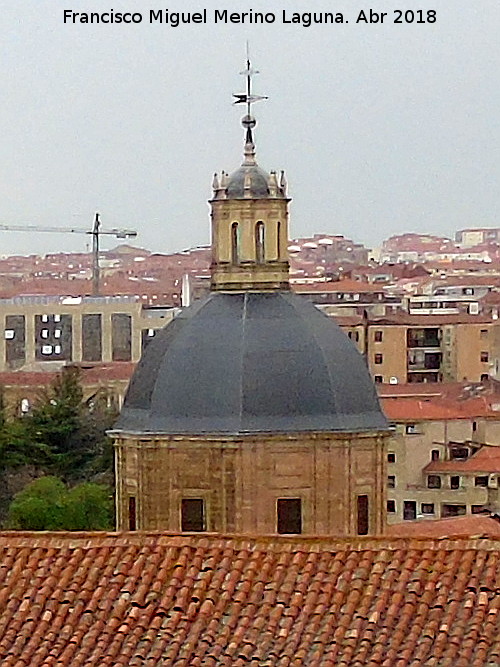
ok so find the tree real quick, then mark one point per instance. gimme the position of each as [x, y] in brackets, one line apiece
[39, 506]
[89, 507]
[64, 436]
[47, 504]
[73, 430]
[18, 448]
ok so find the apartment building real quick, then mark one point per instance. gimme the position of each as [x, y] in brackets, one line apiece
[444, 456]
[403, 348]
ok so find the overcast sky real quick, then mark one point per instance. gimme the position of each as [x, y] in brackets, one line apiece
[381, 129]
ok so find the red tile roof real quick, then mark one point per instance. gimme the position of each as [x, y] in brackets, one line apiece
[485, 460]
[460, 526]
[91, 373]
[136, 599]
[432, 408]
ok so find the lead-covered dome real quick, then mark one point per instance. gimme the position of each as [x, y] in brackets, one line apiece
[248, 180]
[249, 363]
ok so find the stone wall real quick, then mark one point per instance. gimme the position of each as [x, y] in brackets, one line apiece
[240, 480]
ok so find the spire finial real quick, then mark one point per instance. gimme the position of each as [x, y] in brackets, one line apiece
[248, 121]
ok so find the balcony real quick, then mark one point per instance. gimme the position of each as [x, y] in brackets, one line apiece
[423, 338]
[419, 360]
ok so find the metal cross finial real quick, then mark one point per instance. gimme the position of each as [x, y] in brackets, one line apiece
[248, 98]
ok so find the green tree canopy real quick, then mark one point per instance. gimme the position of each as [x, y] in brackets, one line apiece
[47, 504]
[63, 434]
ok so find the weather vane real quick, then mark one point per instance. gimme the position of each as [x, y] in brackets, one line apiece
[248, 98]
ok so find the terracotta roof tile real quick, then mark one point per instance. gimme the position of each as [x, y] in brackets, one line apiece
[151, 599]
[485, 460]
[439, 528]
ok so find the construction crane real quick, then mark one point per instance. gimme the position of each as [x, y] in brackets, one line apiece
[95, 232]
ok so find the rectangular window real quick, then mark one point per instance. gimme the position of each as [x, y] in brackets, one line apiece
[363, 515]
[57, 318]
[15, 337]
[192, 515]
[409, 510]
[433, 482]
[481, 480]
[46, 335]
[132, 513]
[289, 515]
[459, 453]
[484, 357]
[391, 457]
[454, 482]
[92, 337]
[121, 337]
[435, 455]
[453, 510]
[379, 358]
[477, 509]
[391, 506]
[483, 334]
[391, 481]
[411, 429]
[379, 379]
[378, 336]
[427, 508]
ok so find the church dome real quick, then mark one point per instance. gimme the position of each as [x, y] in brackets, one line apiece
[249, 180]
[248, 363]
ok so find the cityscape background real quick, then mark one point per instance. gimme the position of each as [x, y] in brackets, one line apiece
[382, 129]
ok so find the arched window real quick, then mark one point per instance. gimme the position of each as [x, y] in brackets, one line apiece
[278, 240]
[259, 242]
[235, 249]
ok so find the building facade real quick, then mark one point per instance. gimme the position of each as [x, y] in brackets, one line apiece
[443, 457]
[427, 348]
[61, 330]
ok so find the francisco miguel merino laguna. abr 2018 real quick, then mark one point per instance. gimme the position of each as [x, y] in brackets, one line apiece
[175, 19]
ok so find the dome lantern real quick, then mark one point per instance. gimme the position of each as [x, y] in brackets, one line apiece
[249, 217]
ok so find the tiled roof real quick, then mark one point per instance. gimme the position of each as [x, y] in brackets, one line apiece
[463, 526]
[95, 373]
[486, 460]
[431, 408]
[136, 599]
[440, 400]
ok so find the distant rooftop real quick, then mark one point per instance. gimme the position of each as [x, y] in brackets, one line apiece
[67, 300]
